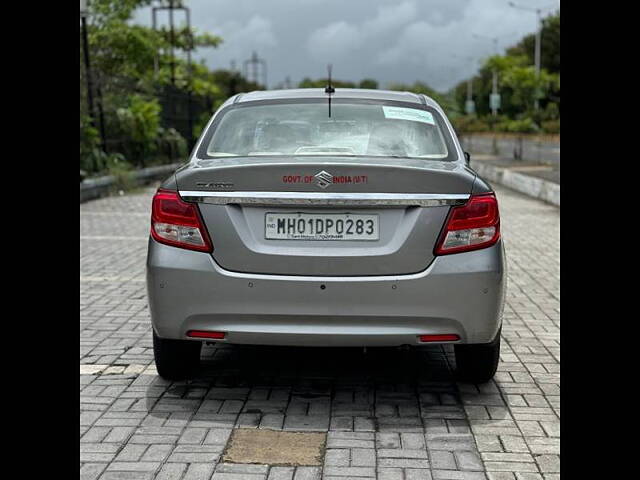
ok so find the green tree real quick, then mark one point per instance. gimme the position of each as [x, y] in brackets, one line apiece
[445, 100]
[105, 11]
[369, 83]
[131, 66]
[519, 85]
[322, 82]
[232, 82]
[140, 121]
[121, 49]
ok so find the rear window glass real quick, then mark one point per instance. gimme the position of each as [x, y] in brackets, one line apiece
[305, 129]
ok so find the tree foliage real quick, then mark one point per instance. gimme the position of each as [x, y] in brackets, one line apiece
[132, 65]
[445, 100]
[368, 83]
[519, 86]
[323, 82]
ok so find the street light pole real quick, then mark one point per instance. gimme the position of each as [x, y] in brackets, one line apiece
[469, 105]
[538, 43]
[494, 88]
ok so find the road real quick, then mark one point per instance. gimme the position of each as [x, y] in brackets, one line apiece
[387, 414]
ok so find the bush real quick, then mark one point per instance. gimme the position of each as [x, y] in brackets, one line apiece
[524, 125]
[122, 173]
[470, 124]
[172, 144]
[93, 160]
[89, 145]
[551, 112]
[551, 126]
[139, 124]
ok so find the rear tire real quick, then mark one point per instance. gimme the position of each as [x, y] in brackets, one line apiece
[176, 359]
[478, 363]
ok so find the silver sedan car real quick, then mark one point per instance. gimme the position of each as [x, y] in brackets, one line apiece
[316, 217]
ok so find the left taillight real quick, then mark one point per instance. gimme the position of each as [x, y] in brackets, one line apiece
[178, 223]
[471, 226]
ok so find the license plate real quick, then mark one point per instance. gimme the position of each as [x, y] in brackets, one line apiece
[321, 226]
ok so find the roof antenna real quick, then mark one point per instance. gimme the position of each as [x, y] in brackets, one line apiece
[329, 88]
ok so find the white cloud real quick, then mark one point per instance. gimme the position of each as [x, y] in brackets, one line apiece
[255, 34]
[390, 40]
[442, 49]
[339, 39]
[389, 19]
[334, 41]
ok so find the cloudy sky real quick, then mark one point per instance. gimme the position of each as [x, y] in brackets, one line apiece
[389, 40]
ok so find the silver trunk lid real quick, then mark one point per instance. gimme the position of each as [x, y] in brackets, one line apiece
[411, 198]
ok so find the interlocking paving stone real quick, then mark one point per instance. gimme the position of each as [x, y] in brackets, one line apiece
[281, 473]
[388, 414]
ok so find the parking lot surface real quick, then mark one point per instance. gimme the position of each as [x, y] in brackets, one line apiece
[387, 413]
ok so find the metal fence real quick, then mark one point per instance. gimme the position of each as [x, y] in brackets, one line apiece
[180, 115]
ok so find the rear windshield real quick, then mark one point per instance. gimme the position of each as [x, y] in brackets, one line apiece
[305, 129]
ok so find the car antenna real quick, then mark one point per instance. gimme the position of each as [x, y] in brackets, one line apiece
[329, 88]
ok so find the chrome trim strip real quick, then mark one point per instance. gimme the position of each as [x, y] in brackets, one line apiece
[325, 198]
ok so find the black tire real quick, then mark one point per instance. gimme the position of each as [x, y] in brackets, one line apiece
[478, 363]
[176, 359]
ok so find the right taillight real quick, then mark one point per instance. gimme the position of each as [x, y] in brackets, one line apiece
[178, 223]
[471, 226]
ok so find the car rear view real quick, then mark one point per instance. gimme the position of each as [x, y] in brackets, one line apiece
[308, 219]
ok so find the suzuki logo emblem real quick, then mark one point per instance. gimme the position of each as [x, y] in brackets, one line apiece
[323, 179]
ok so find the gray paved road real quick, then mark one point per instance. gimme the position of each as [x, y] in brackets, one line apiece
[388, 414]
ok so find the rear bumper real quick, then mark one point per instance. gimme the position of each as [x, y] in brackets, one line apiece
[460, 293]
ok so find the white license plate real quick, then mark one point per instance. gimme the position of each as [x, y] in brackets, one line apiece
[321, 226]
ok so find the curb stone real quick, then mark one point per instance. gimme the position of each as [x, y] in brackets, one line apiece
[531, 186]
[93, 188]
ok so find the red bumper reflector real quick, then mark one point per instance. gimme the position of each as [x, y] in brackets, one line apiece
[445, 337]
[204, 334]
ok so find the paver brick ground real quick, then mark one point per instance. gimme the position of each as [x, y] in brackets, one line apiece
[388, 414]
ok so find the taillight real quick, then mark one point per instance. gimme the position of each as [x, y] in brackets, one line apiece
[205, 334]
[471, 226]
[178, 223]
[442, 337]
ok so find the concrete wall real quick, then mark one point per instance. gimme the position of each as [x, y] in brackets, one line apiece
[519, 147]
